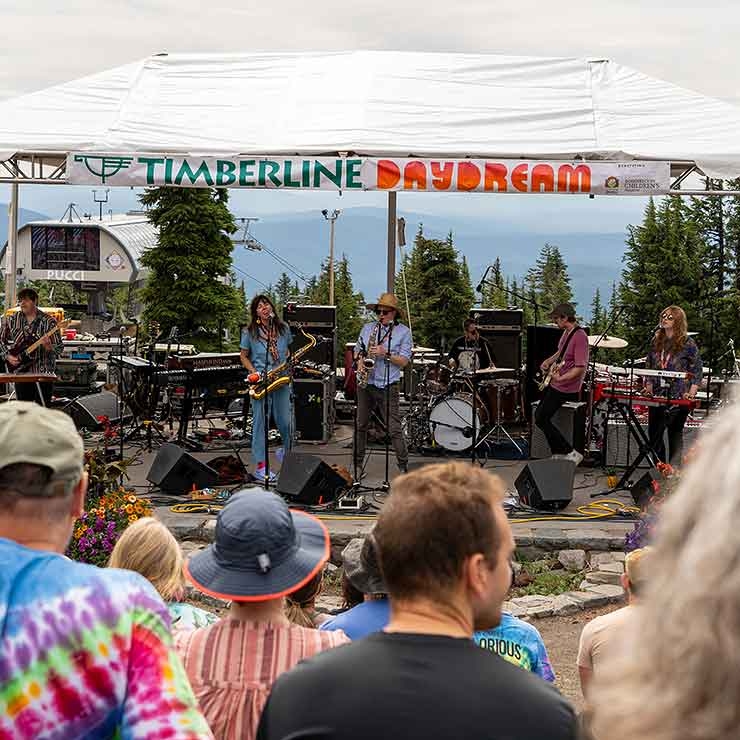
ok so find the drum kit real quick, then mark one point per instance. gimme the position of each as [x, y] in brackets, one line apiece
[456, 408]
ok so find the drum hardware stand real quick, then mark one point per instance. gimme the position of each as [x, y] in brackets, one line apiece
[498, 427]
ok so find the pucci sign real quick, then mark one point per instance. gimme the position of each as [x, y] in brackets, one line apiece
[370, 173]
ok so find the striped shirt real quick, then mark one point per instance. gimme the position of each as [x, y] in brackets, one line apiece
[13, 327]
[232, 665]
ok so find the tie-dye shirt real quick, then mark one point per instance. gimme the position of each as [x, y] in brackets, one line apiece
[87, 653]
[518, 642]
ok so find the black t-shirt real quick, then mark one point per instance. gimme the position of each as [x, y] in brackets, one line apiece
[481, 347]
[413, 687]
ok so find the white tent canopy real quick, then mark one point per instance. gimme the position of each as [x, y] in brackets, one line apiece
[371, 104]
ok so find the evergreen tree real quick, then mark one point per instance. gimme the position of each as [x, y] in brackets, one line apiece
[663, 266]
[285, 290]
[444, 299]
[548, 280]
[598, 314]
[188, 284]
[494, 295]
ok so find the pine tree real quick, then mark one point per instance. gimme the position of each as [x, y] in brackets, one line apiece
[663, 266]
[188, 283]
[444, 299]
[494, 295]
[598, 314]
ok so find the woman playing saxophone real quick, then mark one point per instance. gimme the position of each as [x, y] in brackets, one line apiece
[265, 344]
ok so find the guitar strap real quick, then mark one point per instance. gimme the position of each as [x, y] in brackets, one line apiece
[561, 354]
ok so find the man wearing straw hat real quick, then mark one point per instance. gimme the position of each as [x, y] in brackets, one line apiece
[388, 343]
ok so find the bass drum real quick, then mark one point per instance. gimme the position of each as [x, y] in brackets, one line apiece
[451, 421]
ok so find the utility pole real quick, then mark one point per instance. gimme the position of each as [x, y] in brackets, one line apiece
[331, 217]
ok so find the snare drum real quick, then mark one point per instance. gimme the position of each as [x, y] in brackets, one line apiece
[451, 421]
[437, 378]
[506, 391]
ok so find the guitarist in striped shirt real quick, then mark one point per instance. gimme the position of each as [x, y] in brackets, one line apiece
[16, 330]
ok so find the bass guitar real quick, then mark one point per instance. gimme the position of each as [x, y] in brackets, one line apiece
[27, 344]
[552, 371]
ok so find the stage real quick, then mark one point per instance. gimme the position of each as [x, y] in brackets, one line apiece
[568, 530]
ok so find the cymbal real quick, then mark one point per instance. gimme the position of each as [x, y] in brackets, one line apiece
[494, 370]
[424, 351]
[606, 342]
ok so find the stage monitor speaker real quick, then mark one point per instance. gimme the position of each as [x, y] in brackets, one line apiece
[308, 479]
[176, 471]
[86, 410]
[569, 419]
[546, 485]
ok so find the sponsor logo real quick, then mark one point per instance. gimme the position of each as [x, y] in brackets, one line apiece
[611, 183]
[115, 261]
[104, 166]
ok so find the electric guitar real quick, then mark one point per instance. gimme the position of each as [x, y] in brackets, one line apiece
[27, 344]
[549, 375]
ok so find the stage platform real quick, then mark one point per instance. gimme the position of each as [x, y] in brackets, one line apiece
[547, 533]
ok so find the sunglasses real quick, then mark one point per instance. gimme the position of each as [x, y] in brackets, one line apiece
[383, 311]
[666, 317]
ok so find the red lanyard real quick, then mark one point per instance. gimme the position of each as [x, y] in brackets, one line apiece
[664, 359]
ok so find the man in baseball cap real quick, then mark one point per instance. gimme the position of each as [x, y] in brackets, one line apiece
[108, 630]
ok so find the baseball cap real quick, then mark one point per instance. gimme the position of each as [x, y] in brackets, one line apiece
[563, 309]
[33, 434]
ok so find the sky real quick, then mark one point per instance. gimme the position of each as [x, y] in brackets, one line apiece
[691, 44]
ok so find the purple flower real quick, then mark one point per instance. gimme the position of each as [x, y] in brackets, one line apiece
[99, 523]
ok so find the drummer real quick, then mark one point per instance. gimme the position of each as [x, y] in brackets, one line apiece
[471, 351]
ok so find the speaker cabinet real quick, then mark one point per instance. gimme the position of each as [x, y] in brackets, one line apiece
[86, 410]
[314, 408]
[176, 471]
[569, 419]
[546, 485]
[308, 479]
[542, 342]
[498, 319]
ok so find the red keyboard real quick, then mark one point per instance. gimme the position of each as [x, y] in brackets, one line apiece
[639, 400]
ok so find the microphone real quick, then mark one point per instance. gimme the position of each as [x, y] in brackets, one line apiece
[479, 288]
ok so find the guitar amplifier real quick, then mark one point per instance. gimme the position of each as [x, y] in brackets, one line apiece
[498, 319]
[321, 322]
[76, 372]
[314, 409]
[570, 420]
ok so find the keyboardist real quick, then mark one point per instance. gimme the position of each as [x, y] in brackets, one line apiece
[672, 349]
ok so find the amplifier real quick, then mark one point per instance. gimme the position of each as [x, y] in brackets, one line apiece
[314, 409]
[570, 419]
[498, 319]
[320, 321]
[76, 372]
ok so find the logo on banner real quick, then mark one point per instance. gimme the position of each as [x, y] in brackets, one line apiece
[109, 165]
[611, 183]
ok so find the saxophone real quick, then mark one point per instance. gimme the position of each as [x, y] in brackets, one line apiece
[278, 376]
[365, 363]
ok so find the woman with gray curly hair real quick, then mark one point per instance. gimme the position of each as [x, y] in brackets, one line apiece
[676, 676]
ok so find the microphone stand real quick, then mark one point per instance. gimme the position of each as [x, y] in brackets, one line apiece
[385, 485]
[265, 409]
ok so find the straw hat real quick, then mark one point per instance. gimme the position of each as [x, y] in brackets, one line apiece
[386, 300]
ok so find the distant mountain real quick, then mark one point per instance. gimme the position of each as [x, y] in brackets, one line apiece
[24, 216]
[594, 259]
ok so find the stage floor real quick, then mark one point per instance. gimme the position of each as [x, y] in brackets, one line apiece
[344, 524]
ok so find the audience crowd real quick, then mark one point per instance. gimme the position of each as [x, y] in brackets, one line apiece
[422, 648]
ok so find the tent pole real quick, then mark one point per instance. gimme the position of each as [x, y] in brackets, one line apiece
[12, 251]
[391, 261]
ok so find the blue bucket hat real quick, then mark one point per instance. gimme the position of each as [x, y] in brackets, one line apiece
[262, 550]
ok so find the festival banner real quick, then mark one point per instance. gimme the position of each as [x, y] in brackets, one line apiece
[370, 173]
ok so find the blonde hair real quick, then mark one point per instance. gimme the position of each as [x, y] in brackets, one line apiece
[635, 567]
[676, 675]
[149, 548]
[299, 604]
